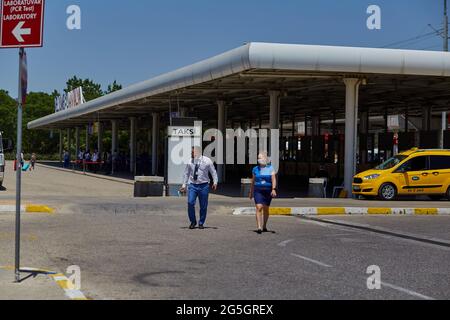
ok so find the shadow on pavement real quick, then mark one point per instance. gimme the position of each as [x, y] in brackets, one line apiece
[33, 274]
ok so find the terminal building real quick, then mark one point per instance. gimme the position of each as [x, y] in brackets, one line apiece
[344, 109]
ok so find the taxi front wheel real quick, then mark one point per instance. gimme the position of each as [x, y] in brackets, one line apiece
[448, 193]
[387, 192]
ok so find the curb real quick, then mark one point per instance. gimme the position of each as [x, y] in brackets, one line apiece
[326, 211]
[64, 283]
[88, 174]
[61, 280]
[30, 208]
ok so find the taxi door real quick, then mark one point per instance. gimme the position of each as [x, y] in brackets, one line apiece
[419, 179]
[440, 171]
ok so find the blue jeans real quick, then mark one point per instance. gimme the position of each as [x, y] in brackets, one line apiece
[202, 192]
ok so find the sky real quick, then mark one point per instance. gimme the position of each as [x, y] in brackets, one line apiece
[135, 40]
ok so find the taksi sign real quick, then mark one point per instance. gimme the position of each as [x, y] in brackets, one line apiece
[21, 23]
[185, 131]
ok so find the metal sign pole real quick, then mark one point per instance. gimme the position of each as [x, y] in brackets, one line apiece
[19, 165]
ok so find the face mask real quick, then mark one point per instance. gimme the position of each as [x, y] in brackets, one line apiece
[262, 162]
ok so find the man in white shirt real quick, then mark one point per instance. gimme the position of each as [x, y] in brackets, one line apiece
[80, 155]
[196, 175]
[95, 156]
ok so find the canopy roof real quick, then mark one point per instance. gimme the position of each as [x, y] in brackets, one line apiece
[309, 76]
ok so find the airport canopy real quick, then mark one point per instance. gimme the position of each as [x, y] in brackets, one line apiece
[310, 78]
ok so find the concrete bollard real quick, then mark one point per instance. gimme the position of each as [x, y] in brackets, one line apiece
[317, 188]
[245, 187]
[148, 187]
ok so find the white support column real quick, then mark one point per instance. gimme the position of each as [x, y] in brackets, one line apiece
[61, 146]
[114, 134]
[77, 141]
[220, 152]
[274, 146]
[100, 140]
[444, 127]
[351, 124]
[364, 129]
[155, 140]
[133, 129]
[88, 144]
[274, 109]
[69, 143]
[114, 145]
[426, 118]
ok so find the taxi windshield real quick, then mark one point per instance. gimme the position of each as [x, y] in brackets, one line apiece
[392, 162]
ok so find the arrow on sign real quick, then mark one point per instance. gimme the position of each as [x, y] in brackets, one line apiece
[18, 31]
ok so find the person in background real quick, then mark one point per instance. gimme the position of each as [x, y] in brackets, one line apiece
[33, 161]
[263, 190]
[80, 158]
[95, 156]
[107, 167]
[96, 161]
[196, 176]
[66, 159]
[22, 159]
[115, 165]
[87, 159]
[87, 156]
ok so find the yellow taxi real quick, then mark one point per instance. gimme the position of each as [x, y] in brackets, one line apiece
[415, 172]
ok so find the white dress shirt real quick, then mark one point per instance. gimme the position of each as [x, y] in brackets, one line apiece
[205, 166]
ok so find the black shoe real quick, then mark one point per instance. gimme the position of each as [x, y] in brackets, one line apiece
[201, 227]
[265, 230]
[259, 231]
[192, 226]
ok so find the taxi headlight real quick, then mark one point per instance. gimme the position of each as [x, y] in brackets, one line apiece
[372, 177]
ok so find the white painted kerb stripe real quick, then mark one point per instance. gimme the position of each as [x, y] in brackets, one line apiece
[311, 260]
[10, 208]
[411, 293]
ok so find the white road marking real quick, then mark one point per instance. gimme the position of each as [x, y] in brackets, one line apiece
[411, 293]
[311, 260]
[285, 243]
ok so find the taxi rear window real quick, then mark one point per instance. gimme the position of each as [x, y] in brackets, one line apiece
[439, 162]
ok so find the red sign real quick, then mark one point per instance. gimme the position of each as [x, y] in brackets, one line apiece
[21, 23]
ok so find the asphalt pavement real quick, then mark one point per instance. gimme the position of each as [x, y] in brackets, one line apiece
[142, 249]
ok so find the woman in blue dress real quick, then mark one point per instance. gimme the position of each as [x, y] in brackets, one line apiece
[263, 190]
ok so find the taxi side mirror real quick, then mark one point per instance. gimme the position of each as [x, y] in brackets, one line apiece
[402, 169]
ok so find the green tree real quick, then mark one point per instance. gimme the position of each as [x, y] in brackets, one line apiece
[8, 110]
[39, 104]
[113, 87]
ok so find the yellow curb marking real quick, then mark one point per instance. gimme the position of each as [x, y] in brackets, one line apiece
[330, 211]
[280, 211]
[7, 268]
[63, 283]
[381, 211]
[426, 211]
[68, 287]
[35, 208]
